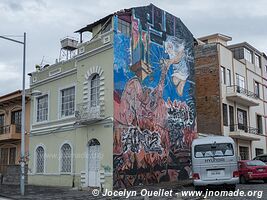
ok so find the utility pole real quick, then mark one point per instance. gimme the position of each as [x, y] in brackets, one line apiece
[22, 151]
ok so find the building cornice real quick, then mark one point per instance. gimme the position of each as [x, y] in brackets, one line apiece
[56, 77]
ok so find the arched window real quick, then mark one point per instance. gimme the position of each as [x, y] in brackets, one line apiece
[94, 90]
[66, 158]
[40, 160]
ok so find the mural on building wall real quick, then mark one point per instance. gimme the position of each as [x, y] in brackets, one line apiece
[154, 103]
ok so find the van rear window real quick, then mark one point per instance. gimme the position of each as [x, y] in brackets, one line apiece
[214, 150]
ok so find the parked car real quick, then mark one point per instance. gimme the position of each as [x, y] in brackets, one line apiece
[214, 162]
[252, 170]
[262, 157]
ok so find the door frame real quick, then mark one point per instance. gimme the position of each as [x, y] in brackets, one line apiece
[92, 142]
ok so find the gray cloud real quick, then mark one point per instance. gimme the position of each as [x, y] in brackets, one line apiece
[46, 22]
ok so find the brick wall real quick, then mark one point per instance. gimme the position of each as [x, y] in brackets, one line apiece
[207, 72]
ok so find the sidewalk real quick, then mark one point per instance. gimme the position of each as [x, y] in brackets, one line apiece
[57, 193]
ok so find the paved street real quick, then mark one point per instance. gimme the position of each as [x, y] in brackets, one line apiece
[55, 193]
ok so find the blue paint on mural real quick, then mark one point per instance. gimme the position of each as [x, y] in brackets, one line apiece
[154, 103]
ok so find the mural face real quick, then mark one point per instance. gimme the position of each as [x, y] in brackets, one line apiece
[154, 103]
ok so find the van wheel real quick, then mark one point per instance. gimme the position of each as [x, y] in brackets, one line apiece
[242, 180]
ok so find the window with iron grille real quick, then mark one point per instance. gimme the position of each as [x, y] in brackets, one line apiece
[95, 87]
[67, 102]
[42, 108]
[66, 158]
[40, 160]
[244, 153]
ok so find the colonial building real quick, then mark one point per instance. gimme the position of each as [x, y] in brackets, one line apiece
[122, 107]
[10, 132]
[230, 93]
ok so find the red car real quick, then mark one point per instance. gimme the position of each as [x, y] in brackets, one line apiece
[252, 170]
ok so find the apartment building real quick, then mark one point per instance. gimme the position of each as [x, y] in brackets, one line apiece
[230, 93]
[10, 132]
[123, 107]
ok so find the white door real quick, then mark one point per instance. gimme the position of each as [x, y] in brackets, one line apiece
[94, 166]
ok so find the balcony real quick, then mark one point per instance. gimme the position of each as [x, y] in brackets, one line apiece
[240, 131]
[85, 114]
[10, 132]
[241, 96]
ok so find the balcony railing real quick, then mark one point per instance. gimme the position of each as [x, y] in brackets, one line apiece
[241, 96]
[240, 90]
[4, 129]
[245, 128]
[10, 132]
[86, 113]
[12, 128]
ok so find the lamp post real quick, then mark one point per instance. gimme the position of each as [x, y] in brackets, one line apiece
[22, 151]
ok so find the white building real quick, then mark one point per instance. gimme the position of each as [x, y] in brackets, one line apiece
[240, 92]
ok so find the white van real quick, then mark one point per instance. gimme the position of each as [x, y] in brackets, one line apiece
[214, 162]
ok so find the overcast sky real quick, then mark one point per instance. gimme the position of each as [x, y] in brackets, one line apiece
[47, 21]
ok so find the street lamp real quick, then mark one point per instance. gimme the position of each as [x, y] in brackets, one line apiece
[22, 151]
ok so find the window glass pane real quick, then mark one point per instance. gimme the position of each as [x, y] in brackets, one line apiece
[67, 102]
[225, 115]
[40, 160]
[4, 156]
[228, 77]
[259, 124]
[257, 89]
[223, 75]
[124, 27]
[259, 151]
[248, 55]
[257, 61]
[16, 117]
[66, 158]
[243, 153]
[240, 81]
[214, 150]
[42, 108]
[256, 163]
[12, 156]
[94, 91]
[2, 120]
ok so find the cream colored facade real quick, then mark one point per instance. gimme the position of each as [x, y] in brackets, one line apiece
[82, 131]
[244, 109]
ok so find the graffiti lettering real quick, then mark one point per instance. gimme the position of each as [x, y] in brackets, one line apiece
[133, 140]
